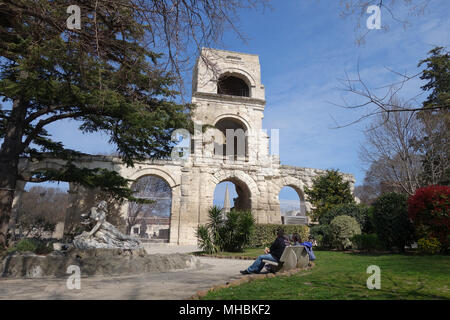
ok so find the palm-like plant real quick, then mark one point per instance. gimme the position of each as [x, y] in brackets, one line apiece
[237, 230]
[215, 224]
[230, 234]
[204, 240]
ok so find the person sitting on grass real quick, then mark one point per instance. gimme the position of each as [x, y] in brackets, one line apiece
[272, 254]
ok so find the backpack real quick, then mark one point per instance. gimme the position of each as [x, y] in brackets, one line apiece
[308, 247]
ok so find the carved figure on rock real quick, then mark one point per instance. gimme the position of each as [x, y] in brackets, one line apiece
[103, 234]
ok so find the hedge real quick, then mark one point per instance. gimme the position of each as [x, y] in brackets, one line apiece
[265, 234]
[390, 219]
[368, 242]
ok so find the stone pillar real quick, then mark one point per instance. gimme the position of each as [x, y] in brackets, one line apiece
[175, 216]
[197, 141]
[188, 213]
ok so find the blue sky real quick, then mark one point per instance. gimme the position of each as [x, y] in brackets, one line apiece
[304, 48]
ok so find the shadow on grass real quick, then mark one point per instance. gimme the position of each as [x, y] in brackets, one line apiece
[356, 290]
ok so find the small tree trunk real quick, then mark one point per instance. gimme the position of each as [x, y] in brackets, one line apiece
[8, 178]
[9, 162]
[6, 199]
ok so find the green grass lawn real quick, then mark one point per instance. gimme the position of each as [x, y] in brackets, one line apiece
[339, 275]
[248, 253]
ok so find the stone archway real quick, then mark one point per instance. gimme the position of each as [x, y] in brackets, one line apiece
[150, 221]
[288, 181]
[246, 188]
[292, 182]
[230, 84]
[235, 146]
[174, 185]
[240, 73]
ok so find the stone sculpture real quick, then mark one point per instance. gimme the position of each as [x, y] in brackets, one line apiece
[103, 234]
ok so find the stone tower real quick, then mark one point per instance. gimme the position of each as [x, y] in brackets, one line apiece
[228, 93]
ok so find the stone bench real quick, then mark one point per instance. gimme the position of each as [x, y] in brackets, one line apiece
[292, 257]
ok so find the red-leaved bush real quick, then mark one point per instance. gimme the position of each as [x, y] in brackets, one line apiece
[429, 210]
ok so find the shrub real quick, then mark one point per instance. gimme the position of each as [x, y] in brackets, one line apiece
[320, 233]
[44, 247]
[391, 222]
[215, 222]
[429, 245]
[429, 209]
[26, 244]
[205, 242]
[230, 234]
[367, 242]
[236, 231]
[360, 212]
[341, 230]
[34, 245]
[265, 234]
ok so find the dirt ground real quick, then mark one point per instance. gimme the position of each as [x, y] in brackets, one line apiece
[175, 284]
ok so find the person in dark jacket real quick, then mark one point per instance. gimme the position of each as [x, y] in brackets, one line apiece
[273, 254]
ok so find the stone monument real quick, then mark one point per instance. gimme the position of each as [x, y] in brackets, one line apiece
[103, 235]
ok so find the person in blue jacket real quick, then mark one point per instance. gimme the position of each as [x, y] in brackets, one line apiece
[308, 246]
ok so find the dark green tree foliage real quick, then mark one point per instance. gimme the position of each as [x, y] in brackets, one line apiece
[320, 233]
[368, 242]
[437, 73]
[391, 221]
[360, 212]
[101, 76]
[328, 190]
[435, 117]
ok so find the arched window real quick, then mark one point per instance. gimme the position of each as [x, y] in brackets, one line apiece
[238, 195]
[292, 206]
[233, 86]
[152, 220]
[238, 143]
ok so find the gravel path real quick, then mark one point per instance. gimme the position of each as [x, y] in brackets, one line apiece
[176, 284]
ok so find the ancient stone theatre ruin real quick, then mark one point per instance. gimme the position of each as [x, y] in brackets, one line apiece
[228, 93]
